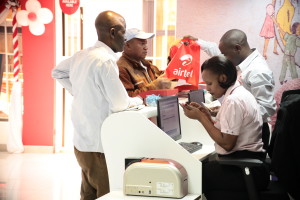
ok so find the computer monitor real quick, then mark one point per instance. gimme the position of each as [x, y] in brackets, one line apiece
[168, 118]
[196, 96]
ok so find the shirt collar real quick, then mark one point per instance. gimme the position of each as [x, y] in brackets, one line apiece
[135, 63]
[243, 65]
[109, 50]
[231, 88]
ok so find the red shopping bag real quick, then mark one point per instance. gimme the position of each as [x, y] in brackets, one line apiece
[185, 63]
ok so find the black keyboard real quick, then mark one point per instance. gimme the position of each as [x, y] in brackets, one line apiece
[190, 147]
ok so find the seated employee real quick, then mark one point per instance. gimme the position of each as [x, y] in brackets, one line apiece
[236, 130]
[137, 74]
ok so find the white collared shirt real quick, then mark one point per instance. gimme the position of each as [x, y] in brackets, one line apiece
[92, 77]
[210, 48]
[239, 115]
[257, 78]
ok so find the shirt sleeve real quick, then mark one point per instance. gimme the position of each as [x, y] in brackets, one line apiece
[262, 87]
[62, 74]
[108, 80]
[210, 48]
[232, 117]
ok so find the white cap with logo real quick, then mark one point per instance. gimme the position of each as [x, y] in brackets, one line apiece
[136, 33]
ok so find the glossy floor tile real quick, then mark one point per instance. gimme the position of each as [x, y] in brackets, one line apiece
[39, 176]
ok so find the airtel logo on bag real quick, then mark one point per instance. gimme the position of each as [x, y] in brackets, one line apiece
[186, 59]
[185, 62]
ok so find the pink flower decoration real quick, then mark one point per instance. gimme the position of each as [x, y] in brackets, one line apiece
[35, 17]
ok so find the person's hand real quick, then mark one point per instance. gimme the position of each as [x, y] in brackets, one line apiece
[214, 110]
[162, 83]
[195, 104]
[190, 37]
[138, 100]
[203, 109]
[191, 111]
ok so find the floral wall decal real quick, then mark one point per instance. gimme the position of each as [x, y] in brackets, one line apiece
[35, 17]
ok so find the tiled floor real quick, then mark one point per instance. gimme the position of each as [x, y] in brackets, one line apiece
[39, 176]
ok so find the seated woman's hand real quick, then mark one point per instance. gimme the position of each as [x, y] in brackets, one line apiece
[190, 111]
[195, 104]
[203, 109]
[214, 110]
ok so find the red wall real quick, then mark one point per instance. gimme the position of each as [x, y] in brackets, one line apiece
[38, 61]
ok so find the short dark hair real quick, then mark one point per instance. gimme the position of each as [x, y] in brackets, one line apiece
[221, 65]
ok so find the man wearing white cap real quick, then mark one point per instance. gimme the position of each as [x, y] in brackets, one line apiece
[137, 74]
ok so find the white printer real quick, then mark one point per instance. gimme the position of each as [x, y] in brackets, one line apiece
[155, 177]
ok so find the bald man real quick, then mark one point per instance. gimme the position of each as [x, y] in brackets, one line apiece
[254, 72]
[92, 77]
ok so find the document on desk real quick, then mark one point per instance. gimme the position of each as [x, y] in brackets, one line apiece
[138, 107]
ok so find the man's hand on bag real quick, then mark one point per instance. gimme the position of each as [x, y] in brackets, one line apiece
[186, 43]
[190, 37]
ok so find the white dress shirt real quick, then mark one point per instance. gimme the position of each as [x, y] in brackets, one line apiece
[239, 115]
[92, 77]
[256, 77]
[210, 48]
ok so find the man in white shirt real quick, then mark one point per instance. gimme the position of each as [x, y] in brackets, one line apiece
[253, 73]
[92, 77]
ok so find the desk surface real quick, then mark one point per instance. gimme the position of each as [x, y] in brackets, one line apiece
[118, 195]
[204, 152]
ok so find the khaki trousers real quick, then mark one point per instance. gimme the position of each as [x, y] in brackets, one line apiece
[94, 174]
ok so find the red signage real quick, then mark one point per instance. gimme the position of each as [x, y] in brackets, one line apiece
[69, 6]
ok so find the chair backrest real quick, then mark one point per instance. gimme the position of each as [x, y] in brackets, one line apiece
[289, 92]
[285, 138]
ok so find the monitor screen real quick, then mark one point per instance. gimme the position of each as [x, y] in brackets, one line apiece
[168, 118]
[196, 96]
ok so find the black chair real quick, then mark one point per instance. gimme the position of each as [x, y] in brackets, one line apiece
[284, 157]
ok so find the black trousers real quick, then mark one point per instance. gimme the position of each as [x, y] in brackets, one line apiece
[220, 182]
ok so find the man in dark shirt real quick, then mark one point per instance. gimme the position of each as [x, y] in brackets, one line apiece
[136, 73]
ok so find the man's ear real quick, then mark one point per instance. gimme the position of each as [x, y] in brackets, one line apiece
[238, 48]
[222, 78]
[112, 32]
